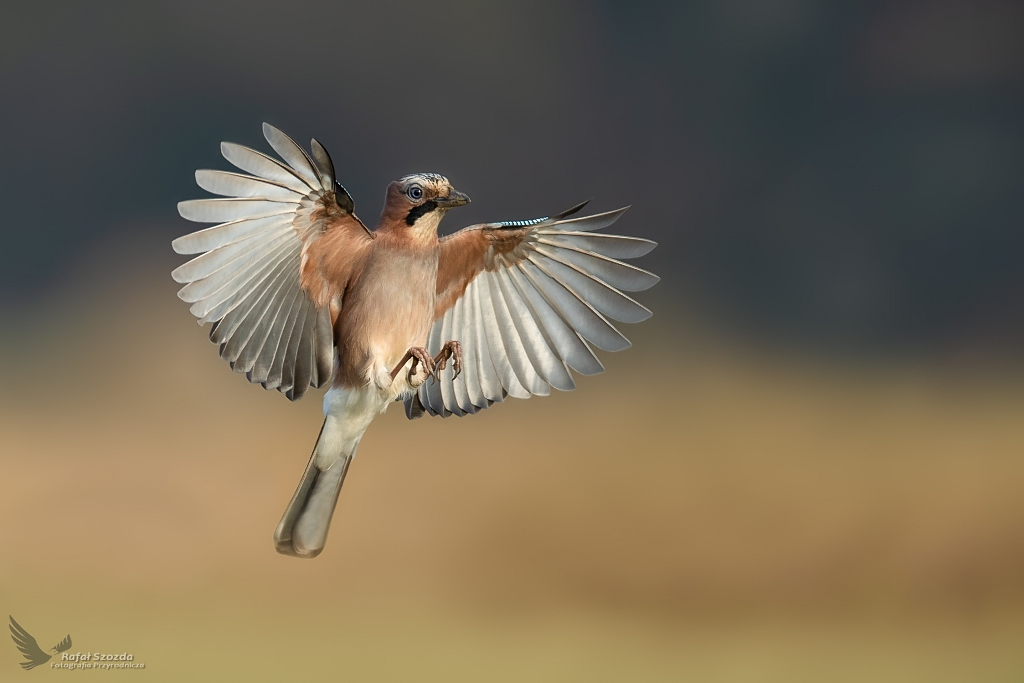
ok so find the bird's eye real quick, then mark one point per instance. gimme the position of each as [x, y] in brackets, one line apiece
[416, 192]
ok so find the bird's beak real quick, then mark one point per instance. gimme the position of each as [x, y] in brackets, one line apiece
[455, 198]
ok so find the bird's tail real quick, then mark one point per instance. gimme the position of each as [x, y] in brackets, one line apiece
[303, 529]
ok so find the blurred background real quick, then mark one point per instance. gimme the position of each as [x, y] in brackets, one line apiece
[809, 467]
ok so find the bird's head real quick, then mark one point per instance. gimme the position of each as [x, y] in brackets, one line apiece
[420, 200]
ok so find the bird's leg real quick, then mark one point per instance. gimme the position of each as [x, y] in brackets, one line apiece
[451, 349]
[418, 354]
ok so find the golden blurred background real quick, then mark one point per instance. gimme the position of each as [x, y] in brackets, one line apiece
[701, 511]
[808, 468]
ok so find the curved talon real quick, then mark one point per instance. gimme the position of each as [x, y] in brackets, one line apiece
[456, 359]
[420, 355]
[417, 354]
[451, 349]
[426, 364]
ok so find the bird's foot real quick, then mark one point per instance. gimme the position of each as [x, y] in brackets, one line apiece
[418, 375]
[451, 349]
[419, 355]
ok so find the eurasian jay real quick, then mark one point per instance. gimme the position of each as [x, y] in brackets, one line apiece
[302, 293]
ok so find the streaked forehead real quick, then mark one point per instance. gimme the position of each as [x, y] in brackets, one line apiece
[425, 178]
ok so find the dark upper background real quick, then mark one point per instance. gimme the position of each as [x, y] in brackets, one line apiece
[848, 179]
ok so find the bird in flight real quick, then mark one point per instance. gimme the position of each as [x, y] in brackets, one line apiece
[34, 655]
[302, 293]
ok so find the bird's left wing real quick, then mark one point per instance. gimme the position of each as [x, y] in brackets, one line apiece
[526, 300]
[263, 281]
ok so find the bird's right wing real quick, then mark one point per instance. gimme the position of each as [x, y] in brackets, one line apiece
[28, 646]
[64, 644]
[262, 281]
[526, 299]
